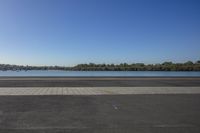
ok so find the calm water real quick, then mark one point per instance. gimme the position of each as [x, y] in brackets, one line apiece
[99, 73]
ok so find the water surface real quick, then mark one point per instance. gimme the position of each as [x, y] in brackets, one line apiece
[55, 73]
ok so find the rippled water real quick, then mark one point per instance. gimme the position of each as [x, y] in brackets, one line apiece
[54, 73]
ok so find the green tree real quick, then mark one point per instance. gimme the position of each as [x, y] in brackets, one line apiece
[189, 63]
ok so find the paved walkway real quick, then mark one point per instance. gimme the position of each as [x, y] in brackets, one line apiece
[96, 90]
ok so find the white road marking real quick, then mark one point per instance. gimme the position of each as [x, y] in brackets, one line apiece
[96, 90]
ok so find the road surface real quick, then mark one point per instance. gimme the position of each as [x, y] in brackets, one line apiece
[99, 105]
[98, 82]
[144, 113]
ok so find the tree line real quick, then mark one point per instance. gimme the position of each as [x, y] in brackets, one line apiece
[166, 66]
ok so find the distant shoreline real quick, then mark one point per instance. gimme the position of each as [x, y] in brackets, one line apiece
[105, 70]
[166, 66]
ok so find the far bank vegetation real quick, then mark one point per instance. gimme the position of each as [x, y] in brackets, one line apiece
[166, 66]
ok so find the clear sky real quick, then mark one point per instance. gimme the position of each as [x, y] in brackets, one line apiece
[69, 32]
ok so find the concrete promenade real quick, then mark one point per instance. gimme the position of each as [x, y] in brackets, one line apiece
[20, 91]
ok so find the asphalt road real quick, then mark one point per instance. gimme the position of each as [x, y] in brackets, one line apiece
[100, 114]
[98, 82]
[133, 113]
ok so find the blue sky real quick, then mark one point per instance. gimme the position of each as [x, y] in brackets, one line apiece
[69, 32]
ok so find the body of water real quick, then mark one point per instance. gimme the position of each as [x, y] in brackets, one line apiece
[54, 73]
